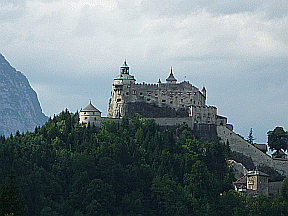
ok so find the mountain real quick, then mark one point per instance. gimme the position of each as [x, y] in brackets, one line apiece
[19, 105]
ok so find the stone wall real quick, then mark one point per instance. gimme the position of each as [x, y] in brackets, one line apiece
[274, 187]
[151, 110]
[238, 144]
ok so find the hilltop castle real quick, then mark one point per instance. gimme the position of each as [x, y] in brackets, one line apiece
[161, 101]
[171, 104]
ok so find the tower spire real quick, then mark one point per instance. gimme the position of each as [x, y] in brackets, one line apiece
[171, 79]
[125, 68]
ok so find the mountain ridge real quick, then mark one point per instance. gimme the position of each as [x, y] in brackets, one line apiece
[20, 109]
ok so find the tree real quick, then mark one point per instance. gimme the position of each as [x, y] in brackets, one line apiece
[278, 139]
[250, 138]
[10, 201]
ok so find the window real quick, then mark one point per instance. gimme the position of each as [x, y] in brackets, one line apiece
[127, 93]
[85, 118]
[181, 100]
[163, 101]
[148, 99]
[141, 93]
[156, 95]
[171, 102]
[119, 100]
[134, 92]
[149, 93]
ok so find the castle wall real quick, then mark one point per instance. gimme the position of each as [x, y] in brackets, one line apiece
[238, 144]
[204, 114]
[174, 121]
[177, 96]
[93, 118]
[275, 187]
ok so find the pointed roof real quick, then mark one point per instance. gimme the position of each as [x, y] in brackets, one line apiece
[125, 64]
[90, 108]
[171, 76]
[159, 81]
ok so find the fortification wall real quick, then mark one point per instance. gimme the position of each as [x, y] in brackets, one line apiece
[238, 144]
[174, 121]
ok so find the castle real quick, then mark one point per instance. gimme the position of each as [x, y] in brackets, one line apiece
[159, 100]
[171, 104]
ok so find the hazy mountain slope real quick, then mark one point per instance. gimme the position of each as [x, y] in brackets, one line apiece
[19, 105]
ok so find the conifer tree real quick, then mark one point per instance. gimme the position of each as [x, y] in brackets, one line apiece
[10, 202]
[250, 138]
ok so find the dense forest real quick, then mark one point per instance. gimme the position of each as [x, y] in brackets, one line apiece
[133, 168]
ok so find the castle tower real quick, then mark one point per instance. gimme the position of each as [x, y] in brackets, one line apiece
[125, 68]
[171, 79]
[90, 115]
[121, 92]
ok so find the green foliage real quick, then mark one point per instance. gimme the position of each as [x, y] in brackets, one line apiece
[250, 138]
[278, 139]
[10, 198]
[133, 168]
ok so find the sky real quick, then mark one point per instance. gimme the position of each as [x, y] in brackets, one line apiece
[71, 50]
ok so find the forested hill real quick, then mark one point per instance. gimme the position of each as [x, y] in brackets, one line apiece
[135, 168]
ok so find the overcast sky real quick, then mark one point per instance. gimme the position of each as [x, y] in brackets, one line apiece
[70, 50]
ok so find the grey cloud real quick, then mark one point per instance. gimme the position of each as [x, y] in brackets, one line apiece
[12, 10]
[171, 8]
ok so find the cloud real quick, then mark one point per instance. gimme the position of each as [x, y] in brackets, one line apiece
[71, 50]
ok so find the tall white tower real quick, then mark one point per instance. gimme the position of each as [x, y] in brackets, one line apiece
[121, 91]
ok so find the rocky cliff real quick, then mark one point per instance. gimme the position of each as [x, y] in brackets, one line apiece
[19, 105]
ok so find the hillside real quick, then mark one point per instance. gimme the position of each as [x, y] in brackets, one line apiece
[19, 105]
[133, 168]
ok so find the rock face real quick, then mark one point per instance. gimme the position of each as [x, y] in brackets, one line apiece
[19, 105]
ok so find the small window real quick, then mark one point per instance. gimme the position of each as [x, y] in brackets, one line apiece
[148, 99]
[134, 92]
[156, 95]
[127, 93]
[141, 93]
[163, 101]
[181, 100]
[119, 100]
[171, 102]
[149, 93]
[85, 118]
[84, 113]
